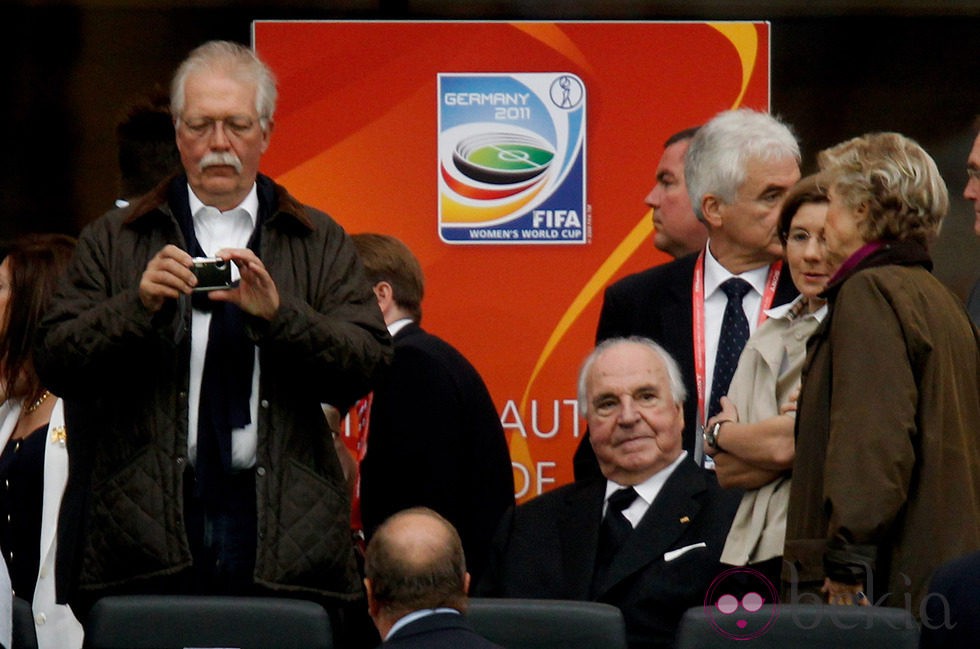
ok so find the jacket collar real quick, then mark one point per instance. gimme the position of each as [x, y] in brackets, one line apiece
[274, 201]
[408, 326]
[890, 253]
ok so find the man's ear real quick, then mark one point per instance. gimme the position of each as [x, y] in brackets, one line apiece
[372, 604]
[711, 210]
[385, 294]
[267, 135]
[466, 583]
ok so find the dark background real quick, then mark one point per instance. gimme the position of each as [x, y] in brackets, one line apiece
[839, 69]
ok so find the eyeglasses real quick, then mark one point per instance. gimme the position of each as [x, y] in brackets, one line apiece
[234, 125]
[973, 173]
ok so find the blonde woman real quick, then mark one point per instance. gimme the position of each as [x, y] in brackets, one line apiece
[886, 482]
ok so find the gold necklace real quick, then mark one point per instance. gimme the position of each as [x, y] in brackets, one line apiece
[37, 402]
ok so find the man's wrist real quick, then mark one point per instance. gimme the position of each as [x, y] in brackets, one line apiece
[712, 433]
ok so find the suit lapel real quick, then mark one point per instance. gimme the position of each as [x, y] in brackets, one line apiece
[668, 518]
[678, 308]
[578, 531]
[676, 322]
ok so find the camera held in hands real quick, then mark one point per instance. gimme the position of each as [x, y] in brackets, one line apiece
[213, 273]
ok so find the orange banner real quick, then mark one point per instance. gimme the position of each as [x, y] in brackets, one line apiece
[363, 132]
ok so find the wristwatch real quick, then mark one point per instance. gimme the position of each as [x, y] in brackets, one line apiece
[711, 434]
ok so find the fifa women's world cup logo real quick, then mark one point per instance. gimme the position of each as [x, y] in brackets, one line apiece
[512, 158]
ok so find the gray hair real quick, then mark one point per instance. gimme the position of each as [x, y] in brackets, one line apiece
[718, 155]
[677, 389]
[234, 59]
[895, 178]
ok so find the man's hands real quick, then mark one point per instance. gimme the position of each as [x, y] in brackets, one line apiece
[256, 294]
[839, 594]
[168, 275]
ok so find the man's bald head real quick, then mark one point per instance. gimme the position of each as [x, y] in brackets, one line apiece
[415, 561]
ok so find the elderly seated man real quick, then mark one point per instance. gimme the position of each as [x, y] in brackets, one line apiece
[645, 537]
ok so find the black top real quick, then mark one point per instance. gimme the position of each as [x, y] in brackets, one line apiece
[21, 499]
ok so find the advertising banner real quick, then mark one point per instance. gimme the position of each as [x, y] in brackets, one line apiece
[513, 158]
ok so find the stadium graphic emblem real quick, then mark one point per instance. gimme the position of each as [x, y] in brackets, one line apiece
[512, 159]
[502, 158]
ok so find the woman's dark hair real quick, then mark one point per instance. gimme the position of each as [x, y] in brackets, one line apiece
[36, 262]
[806, 190]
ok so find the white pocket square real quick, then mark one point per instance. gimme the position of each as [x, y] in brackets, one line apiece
[673, 554]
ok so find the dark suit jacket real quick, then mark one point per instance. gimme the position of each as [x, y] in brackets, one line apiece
[952, 609]
[438, 631]
[435, 440]
[546, 549]
[656, 303]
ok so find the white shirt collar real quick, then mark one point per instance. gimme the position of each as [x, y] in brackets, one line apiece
[250, 204]
[398, 325]
[784, 310]
[715, 274]
[649, 488]
[417, 615]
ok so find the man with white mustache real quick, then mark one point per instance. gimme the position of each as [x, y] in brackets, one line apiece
[221, 159]
[200, 459]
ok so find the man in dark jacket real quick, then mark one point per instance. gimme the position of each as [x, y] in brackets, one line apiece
[200, 460]
[435, 437]
[646, 536]
[416, 583]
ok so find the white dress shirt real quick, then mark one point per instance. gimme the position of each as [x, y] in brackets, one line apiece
[216, 230]
[715, 302]
[646, 490]
[397, 326]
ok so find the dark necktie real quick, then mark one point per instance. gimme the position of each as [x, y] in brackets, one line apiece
[613, 532]
[734, 333]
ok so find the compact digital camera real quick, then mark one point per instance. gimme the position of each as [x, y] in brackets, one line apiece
[213, 273]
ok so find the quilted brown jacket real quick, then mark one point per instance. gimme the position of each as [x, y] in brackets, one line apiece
[124, 377]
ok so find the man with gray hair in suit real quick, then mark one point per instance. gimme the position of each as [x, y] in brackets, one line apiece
[647, 535]
[703, 307]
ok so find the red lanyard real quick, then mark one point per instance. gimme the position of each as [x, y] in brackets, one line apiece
[697, 304]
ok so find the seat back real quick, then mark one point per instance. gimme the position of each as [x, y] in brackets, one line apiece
[801, 626]
[176, 622]
[547, 624]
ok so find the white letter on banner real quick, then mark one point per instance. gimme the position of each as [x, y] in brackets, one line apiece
[510, 410]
